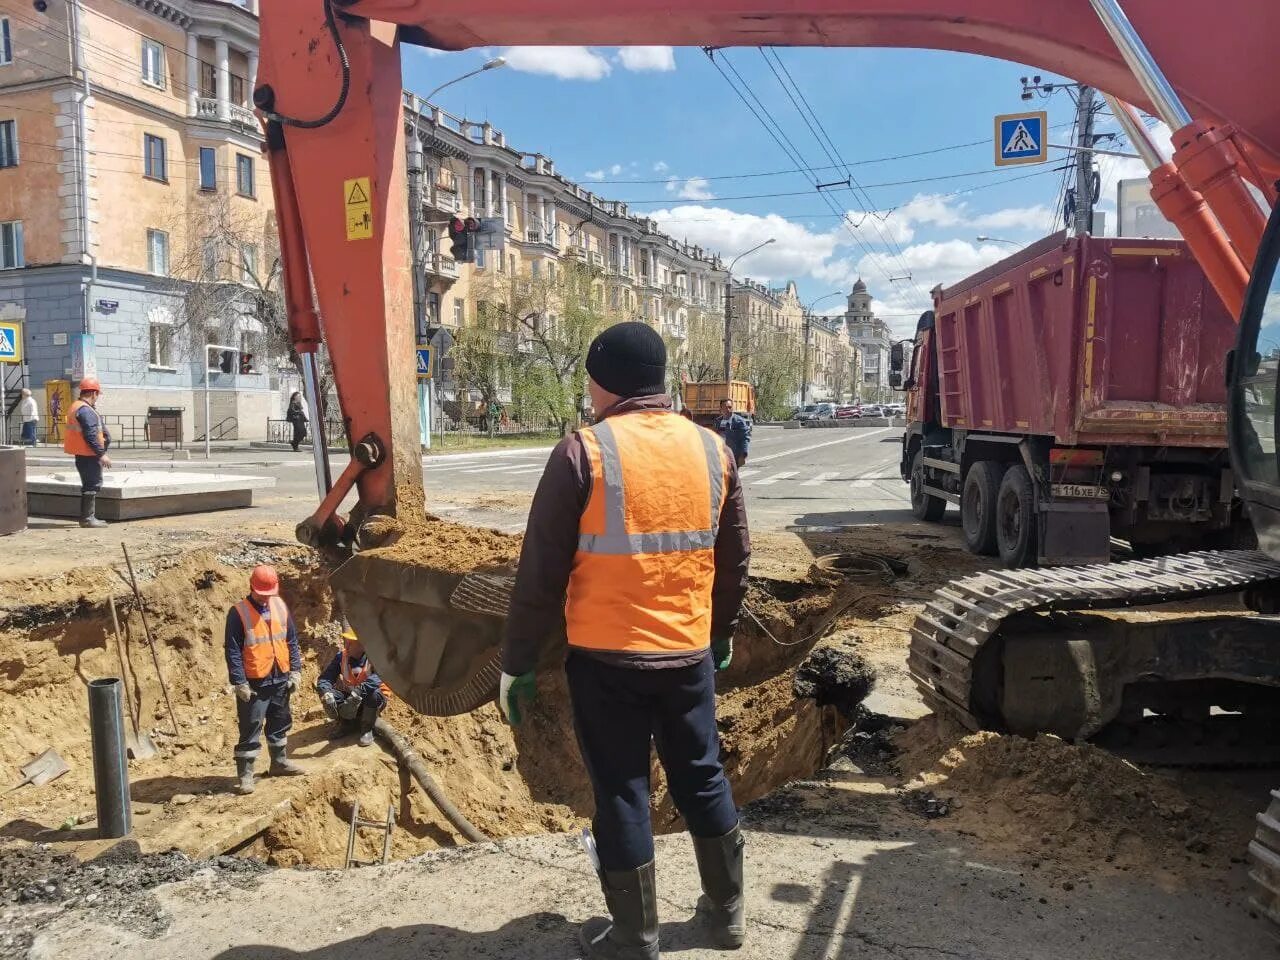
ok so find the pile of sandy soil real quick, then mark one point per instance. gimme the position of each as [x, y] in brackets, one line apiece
[453, 547]
[1071, 806]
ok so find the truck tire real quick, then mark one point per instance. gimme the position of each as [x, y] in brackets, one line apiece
[1016, 519]
[924, 506]
[978, 507]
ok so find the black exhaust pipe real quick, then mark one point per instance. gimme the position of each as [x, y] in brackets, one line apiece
[110, 761]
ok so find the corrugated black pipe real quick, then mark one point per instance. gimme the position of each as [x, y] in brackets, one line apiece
[110, 762]
[411, 759]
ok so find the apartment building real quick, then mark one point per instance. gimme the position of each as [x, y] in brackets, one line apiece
[831, 360]
[871, 337]
[131, 166]
[547, 220]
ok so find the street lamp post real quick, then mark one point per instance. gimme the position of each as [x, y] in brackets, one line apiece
[983, 239]
[808, 320]
[728, 310]
[487, 65]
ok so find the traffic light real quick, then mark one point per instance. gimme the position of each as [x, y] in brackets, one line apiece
[246, 364]
[462, 235]
[228, 358]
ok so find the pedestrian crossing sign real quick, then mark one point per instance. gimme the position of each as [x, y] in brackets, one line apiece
[1021, 138]
[424, 363]
[10, 343]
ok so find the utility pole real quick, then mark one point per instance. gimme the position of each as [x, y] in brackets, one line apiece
[1084, 198]
[728, 329]
[417, 236]
[804, 376]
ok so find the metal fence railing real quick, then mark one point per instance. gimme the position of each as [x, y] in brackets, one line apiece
[281, 431]
[141, 431]
[503, 426]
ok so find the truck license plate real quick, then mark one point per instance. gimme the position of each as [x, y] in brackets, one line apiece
[1081, 491]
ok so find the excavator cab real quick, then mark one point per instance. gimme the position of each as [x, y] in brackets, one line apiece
[1254, 373]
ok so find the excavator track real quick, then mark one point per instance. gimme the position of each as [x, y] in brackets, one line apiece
[950, 634]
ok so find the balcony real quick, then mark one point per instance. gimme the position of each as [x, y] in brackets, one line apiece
[677, 331]
[441, 267]
[207, 108]
[441, 200]
[577, 251]
[596, 259]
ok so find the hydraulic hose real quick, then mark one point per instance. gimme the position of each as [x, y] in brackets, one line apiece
[413, 761]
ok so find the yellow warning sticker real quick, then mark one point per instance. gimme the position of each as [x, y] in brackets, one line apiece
[359, 208]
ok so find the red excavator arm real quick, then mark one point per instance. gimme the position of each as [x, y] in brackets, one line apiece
[330, 93]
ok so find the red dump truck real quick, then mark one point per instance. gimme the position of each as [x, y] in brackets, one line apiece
[1072, 393]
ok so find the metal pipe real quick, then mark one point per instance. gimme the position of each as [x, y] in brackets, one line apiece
[1134, 129]
[319, 443]
[1150, 77]
[413, 761]
[110, 764]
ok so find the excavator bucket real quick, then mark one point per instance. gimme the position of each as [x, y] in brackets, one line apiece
[434, 636]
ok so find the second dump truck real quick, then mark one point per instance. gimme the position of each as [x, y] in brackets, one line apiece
[1072, 393]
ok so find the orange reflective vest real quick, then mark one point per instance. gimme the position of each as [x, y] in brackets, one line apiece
[350, 677]
[73, 441]
[643, 571]
[266, 642]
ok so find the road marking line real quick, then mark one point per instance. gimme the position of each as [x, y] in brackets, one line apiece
[858, 434]
[776, 477]
[743, 474]
[819, 479]
[504, 468]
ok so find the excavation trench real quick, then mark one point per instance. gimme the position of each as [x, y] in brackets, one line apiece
[56, 636]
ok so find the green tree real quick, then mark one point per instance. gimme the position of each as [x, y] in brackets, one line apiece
[485, 361]
[772, 361]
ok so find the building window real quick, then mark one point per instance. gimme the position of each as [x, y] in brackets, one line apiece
[208, 80]
[479, 259]
[244, 175]
[208, 168]
[512, 258]
[11, 245]
[535, 269]
[459, 313]
[237, 90]
[8, 143]
[158, 252]
[6, 45]
[161, 335]
[248, 263]
[153, 156]
[209, 259]
[153, 72]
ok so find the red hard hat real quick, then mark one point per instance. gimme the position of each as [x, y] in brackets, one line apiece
[264, 581]
[90, 383]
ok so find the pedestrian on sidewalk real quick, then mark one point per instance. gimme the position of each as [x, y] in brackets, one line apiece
[351, 692]
[296, 415]
[87, 439]
[29, 414]
[735, 430]
[639, 520]
[264, 665]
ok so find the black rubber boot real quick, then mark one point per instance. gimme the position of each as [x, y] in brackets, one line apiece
[244, 773]
[88, 506]
[632, 933]
[281, 765]
[368, 717]
[722, 906]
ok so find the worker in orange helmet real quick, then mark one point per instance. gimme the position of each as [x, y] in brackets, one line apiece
[87, 439]
[637, 546]
[264, 665]
[351, 692]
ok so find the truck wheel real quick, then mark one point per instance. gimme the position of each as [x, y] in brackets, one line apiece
[1016, 519]
[978, 507]
[923, 505]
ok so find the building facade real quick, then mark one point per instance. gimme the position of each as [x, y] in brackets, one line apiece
[870, 337]
[131, 166]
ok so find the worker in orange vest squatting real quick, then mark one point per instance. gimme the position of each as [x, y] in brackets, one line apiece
[637, 541]
[87, 439]
[264, 665]
[351, 692]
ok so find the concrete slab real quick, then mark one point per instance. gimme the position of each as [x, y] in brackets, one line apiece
[135, 494]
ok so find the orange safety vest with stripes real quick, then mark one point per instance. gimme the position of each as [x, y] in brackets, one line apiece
[645, 564]
[73, 441]
[266, 641]
[351, 677]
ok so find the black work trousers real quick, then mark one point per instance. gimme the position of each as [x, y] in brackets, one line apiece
[617, 711]
[90, 470]
[270, 703]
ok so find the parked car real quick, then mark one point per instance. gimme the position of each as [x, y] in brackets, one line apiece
[849, 411]
[873, 410]
[826, 411]
[895, 409]
[808, 412]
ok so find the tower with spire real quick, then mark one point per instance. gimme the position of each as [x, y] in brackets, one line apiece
[869, 335]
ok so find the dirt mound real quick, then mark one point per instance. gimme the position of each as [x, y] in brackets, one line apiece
[454, 548]
[1066, 805]
[835, 675]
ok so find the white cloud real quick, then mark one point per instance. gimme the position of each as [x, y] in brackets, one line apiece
[661, 167]
[567, 63]
[1035, 218]
[594, 174]
[615, 169]
[660, 59]
[672, 183]
[696, 188]
[795, 252]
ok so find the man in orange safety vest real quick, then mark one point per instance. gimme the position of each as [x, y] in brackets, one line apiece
[86, 438]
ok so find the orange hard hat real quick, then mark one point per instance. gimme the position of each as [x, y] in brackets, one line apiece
[90, 383]
[264, 581]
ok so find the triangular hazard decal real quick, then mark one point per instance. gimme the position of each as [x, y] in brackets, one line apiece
[357, 195]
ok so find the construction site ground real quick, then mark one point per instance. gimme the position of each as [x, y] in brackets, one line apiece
[880, 834]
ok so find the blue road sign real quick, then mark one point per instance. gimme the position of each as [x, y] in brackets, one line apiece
[10, 343]
[1021, 138]
[424, 363]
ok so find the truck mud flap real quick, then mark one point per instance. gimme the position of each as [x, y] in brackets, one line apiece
[1073, 532]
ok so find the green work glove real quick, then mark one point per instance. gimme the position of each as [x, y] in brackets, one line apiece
[516, 693]
[722, 652]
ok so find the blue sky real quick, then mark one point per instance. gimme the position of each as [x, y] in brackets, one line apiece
[656, 126]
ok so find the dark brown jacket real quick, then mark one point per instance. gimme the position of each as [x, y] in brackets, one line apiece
[551, 540]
